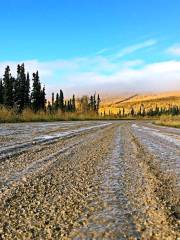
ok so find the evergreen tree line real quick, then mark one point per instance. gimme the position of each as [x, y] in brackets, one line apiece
[15, 91]
[58, 103]
[157, 111]
[85, 104]
[94, 103]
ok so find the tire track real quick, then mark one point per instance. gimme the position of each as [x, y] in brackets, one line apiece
[49, 202]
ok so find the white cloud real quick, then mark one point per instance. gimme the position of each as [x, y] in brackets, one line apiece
[133, 48]
[102, 51]
[160, 76]
[102, 73]
[86, 74]
[174, 50]
[133, 63]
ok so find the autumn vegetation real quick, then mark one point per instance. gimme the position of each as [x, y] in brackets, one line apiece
[21, 103]
[170, 121]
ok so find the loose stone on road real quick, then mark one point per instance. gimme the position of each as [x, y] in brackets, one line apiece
[89, 180]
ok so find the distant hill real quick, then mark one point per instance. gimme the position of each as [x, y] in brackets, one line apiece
[116, 104]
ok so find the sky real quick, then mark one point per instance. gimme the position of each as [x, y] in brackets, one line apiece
[84, 46]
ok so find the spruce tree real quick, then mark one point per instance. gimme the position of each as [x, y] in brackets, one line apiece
[132, 112]
[68, 106]
[65, 106]
[98, 103]
[140, 111]
[8, 88]
[156, 110]
[1, 92]
[91, 104]
[43, 99]
[94, 103]
[73, 103]
[57, 102]
[119, 113]
[52, 99]
[36, 93]
[61, 100]
[22, 88]
[17, 87]
[27, 91]
[70, 103]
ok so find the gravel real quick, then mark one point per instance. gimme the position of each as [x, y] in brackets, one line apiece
[102, 183]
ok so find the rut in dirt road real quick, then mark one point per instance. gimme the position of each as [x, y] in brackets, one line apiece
[129, 205]
[105, 182]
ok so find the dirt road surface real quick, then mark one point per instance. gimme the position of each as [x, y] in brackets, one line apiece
[89, 180]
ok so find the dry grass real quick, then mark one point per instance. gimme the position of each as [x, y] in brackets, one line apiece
[30, 116]
[8, 115]
[171, 121]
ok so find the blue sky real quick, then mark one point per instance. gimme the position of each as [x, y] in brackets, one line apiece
[84, 45]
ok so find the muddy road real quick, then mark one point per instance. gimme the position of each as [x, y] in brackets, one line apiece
[89, 180]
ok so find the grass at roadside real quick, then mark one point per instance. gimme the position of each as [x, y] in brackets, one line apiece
[170, 121]
[10, 116]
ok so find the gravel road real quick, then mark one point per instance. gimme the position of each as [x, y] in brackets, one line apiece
[89, 180]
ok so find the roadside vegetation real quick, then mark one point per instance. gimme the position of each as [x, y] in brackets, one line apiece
[170, 121]
[21, 103]
[27, 115]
